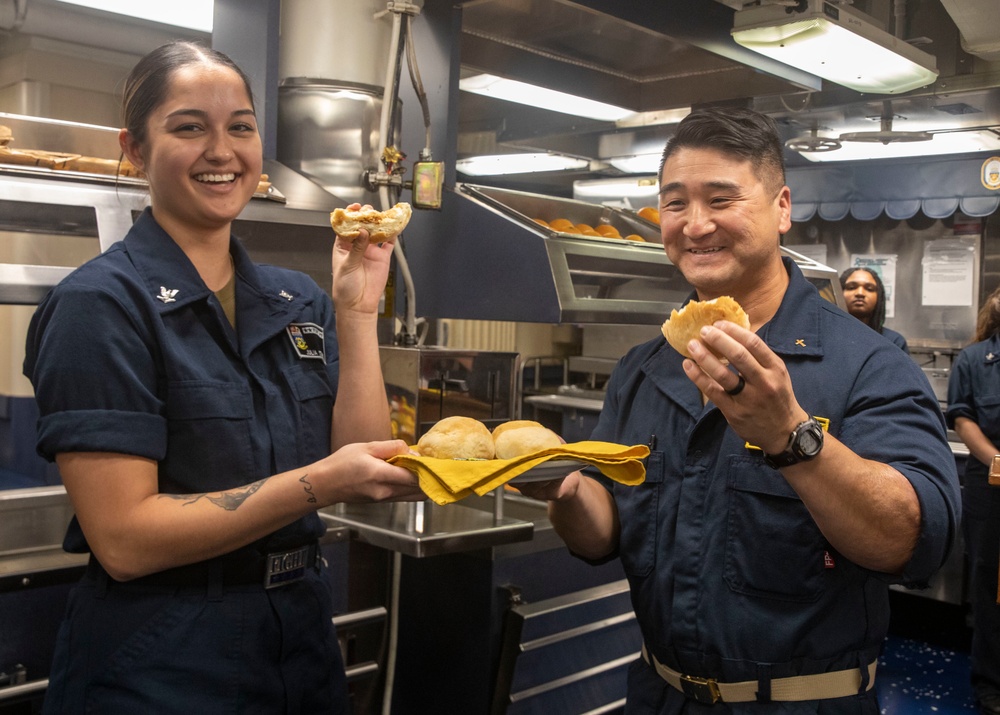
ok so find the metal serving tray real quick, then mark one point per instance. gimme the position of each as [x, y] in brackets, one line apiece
[526, 207]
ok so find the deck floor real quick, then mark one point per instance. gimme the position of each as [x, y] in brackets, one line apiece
[924, 668]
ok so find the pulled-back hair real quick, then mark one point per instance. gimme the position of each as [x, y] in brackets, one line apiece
[988, 320]
[876, 321]
[147, 84]
[750, 135]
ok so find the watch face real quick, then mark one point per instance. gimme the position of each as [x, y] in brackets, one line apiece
[809, 441]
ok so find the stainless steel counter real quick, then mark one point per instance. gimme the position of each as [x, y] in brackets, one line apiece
[426, 529]
[565, 402]
[32, 525]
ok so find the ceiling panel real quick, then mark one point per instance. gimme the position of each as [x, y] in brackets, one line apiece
[667, 54]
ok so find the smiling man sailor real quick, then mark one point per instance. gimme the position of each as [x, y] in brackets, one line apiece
[791, 479]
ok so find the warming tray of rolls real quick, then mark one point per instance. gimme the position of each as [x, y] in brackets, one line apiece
[517, 256]
[571, 218]
[503, 254]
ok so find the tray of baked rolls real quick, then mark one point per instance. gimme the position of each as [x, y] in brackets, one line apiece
[460, 456]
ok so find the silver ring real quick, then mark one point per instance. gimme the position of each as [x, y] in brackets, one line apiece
[739, 387]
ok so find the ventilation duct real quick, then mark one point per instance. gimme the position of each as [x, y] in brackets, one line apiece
[979, 23]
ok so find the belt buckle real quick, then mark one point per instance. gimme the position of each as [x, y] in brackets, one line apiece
[284, 567]
[703, 690]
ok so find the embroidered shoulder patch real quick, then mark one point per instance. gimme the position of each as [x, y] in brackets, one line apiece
[307, 339]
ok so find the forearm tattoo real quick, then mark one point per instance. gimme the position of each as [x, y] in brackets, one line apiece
[308, 488]
[230, 500]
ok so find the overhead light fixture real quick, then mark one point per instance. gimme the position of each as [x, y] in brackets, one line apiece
[499, 164]
[632, 187]
[534, 96]
[836, 43]
[940, 143]
[654, 118]
[193, 14]
[638, 164]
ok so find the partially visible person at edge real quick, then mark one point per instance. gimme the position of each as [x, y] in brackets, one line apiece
[864, 294]
[789, 481]
[201, 408]
[974, 413]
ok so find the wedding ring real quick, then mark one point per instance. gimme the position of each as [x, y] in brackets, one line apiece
[739, 387]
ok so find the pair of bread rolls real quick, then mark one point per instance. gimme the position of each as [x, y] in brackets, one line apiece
[467, 438]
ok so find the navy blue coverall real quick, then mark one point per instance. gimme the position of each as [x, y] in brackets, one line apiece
[730, 577]
[974, 393]
[133, 354]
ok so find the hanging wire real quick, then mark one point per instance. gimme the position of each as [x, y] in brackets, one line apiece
[805, 103]
[418, 85]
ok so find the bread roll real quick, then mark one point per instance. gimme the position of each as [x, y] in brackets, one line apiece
[35, 157]
[685, 325]
[6, 135]
[381, 225]
[523, 437]
[513, 424]
[457, 438]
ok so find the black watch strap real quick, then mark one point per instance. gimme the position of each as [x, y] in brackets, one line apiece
[804, 443]
[782, 459]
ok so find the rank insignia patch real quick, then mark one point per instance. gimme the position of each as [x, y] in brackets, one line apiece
[307, 339]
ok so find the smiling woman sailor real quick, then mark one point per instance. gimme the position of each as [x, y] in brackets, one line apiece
[201, 408]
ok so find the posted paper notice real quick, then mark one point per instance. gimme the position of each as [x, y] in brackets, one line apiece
[948, 269]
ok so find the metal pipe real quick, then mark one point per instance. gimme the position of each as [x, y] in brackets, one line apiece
[15, 691]
[390, 660]
[390, 91]
[356, 618]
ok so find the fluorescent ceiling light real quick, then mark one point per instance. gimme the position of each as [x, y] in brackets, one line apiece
[497, 164]
[943, 143]
[193, 14]
[534, 96]
[654, 118]
[631, 188]
[638, 164]
[835, 43]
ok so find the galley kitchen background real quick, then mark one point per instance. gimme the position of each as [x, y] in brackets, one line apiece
[490, 313]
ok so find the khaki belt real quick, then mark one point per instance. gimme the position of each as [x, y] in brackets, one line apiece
[821, 686]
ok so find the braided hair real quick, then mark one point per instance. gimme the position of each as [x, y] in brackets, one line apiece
[875, 321]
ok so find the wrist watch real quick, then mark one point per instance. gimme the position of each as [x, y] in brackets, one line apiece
[804, 443]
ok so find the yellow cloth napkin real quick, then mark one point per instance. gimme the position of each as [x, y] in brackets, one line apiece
[448, 480]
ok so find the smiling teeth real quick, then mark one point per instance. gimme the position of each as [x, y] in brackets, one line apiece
[213, 178]
[705, 250]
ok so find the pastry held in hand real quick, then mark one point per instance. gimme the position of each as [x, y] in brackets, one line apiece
[685, 325]
[381, 225]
